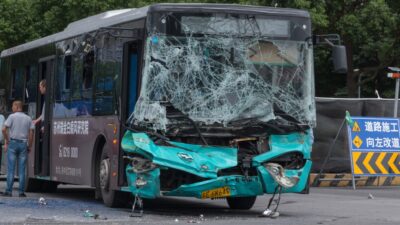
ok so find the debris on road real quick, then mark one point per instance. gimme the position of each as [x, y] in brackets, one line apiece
[370, 196]
[87, 213]
[42, 201]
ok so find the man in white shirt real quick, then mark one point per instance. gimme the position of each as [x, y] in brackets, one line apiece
[18, 138]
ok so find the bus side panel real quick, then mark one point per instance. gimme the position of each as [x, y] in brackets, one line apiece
[72, 147]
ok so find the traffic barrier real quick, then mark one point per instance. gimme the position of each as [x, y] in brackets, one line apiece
[345, 180]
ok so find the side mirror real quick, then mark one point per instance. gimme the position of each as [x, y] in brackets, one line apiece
[339, 58]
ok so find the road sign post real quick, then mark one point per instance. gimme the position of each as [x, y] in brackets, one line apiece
[396, 76]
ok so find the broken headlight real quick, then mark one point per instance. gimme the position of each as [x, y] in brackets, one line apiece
[141, 165]
[278, 174]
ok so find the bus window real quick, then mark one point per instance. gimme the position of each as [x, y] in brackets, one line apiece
[88, 62]
[63, 78]
[17, 84]
[26, 82]
[67, 77]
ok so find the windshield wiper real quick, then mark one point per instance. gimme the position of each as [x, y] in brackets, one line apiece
[196, 127]
[284, 115]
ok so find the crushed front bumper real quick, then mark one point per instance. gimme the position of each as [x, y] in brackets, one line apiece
[205, 162]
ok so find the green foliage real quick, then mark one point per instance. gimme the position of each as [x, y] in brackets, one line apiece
[15, 23]
[370, 30]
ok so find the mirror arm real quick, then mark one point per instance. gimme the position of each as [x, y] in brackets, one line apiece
[329, 42]
[330, 39]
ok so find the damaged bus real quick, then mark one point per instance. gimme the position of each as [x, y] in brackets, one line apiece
[195, 100]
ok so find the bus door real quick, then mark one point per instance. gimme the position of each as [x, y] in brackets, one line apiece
[42, 132]
[130, 88]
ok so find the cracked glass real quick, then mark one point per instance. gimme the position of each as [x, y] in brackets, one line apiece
[223, 68]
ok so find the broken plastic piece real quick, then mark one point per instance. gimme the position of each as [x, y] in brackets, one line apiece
[270, 213]
[273, 213]
[370, 196]
[42, 201]
[277, 173]
[87, 213]
[137, 207]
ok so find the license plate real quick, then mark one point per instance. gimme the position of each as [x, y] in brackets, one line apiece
[216, 193]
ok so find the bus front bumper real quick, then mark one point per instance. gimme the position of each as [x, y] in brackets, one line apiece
[147, 185]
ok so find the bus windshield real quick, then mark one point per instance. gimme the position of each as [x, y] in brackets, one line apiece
[224, 68]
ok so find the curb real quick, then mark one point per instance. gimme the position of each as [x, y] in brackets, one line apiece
[345, 180]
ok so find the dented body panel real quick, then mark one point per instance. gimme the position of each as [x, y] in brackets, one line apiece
[214, 158]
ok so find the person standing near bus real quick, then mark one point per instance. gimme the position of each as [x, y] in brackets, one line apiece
[18, 138]
[1, 137]
[42, 89]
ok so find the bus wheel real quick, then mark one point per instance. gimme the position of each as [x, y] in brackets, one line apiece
[111, 198]
[242, 203]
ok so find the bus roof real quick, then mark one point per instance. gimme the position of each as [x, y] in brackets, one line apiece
[82, 26]
[228, 8]
[115, 17]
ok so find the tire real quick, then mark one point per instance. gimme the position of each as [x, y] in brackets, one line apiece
[242, 203]
[111, 198]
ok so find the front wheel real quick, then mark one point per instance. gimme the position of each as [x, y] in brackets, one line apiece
[111, 198]
[242, 203]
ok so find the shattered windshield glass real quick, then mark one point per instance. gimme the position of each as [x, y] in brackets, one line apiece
[220, 69]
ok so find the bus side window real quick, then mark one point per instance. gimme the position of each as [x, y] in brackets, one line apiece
[68, 71]
[62, 106]
[17, 84]
[88, 63]
[31, 88]
[27, 97]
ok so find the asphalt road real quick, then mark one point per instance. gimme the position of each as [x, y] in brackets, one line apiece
[366, 206]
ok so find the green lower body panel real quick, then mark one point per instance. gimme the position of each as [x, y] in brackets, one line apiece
[146, 185]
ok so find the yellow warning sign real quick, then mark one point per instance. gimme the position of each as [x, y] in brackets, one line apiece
[384, 163]
[357, 141]
[356, 127]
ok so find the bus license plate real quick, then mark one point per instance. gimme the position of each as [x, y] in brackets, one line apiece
[216, 193]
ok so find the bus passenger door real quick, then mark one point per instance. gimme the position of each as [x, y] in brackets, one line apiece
[130, 89]
[42, 132]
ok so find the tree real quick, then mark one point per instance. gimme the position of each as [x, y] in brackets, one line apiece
[370, 30]
[15, 23]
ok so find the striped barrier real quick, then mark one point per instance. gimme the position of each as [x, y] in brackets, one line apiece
[344, 180]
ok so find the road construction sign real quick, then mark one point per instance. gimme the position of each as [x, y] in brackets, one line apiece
[374, 145]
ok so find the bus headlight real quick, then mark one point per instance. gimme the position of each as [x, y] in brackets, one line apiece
[141, 165]
[277, 173]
